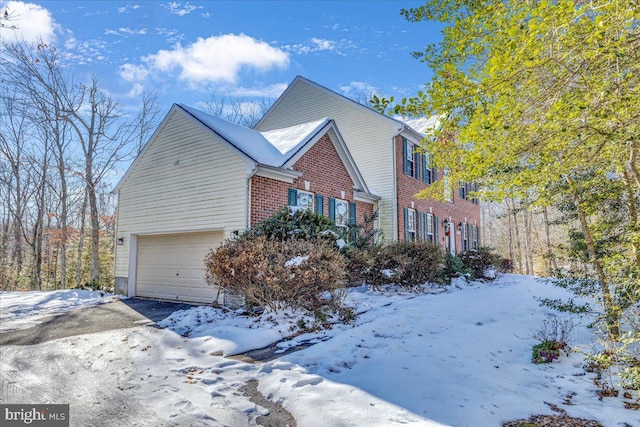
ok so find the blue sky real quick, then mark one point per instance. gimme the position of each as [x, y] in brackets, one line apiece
[189, 51]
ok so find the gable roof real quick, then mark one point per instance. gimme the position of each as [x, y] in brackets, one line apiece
[401, 124]
[272, 148]
[276, 149]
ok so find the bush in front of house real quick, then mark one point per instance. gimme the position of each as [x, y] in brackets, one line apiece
[452, 267]
[481, 263]
[301, 224]
[406, 264]
[278, 274]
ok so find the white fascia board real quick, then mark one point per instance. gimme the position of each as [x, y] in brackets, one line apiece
[279, 174]
[361, 196]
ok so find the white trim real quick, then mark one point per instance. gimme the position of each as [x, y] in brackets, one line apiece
[364, 197]
[309, 193]
[284, 175]
[133, 265]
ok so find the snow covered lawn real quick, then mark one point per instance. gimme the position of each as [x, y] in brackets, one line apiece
[461, 357]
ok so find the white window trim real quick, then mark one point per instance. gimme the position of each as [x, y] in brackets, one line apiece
[346, 215]
[313, 200]
[411, 219]
[429, 231]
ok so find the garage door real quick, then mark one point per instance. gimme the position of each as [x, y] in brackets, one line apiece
[171, 266]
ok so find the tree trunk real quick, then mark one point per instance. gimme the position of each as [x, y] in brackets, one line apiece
[633, 219]
[517, 235]
[551, 259]
[81, 242]
[612, 314]
[528, 255]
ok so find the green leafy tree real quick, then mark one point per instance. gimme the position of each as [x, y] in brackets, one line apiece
[538, 100]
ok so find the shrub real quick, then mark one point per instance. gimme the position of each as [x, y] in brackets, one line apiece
[293, 273]
[452, 267]
[546, 352]
[554, 336]
[359, 263]
[287, 224]
[406, 264]
[479, 262]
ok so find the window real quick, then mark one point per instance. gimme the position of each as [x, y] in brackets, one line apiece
[341, 213]
[474, 237]
[465, 236]
[448, 191]
[301, 199]
[409, 224]
[409, 163]
[428, 228]
[417, 165]
[466, 189]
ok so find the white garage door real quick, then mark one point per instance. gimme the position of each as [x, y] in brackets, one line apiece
[171, 266]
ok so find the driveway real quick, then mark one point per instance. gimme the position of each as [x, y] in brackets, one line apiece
[121, 314]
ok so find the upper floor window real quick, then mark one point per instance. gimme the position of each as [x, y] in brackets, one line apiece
[409, 159]
[467, 190]
[417, 165]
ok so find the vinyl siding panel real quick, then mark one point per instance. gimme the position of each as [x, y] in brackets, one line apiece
[186, 181]
[368, 136]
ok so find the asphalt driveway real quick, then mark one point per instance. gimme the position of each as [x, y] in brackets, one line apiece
[121, 314]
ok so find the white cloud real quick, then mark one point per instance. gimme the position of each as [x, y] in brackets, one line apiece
[271, 91]
[359, 91]
[33, 22]
[315, 44]
[178, 9]
[218, 58]
[125, 30]
[132, 73]
[127, 8]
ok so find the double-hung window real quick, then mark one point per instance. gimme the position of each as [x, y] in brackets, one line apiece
[341, 212]
[465, 237]
[301, 199]
[409, 224]
[428, 228]
[409, 162]
[474, 237]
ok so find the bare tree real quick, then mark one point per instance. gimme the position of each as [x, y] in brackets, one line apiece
[147, 119]
[96, 120]
[236, 110]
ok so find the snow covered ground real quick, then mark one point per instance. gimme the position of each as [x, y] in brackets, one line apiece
[21, 310]
[460, 357]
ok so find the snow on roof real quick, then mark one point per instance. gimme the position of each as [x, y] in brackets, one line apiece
[421, 124]
[285, 140]
[273, 148]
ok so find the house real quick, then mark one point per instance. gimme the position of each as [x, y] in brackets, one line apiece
[201, 179]
[383, 148]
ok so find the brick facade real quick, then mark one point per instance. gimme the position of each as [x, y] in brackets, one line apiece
[325, 174]
[459, 211]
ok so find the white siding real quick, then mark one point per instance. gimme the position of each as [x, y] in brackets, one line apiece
[185, 181]
[367, 134]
